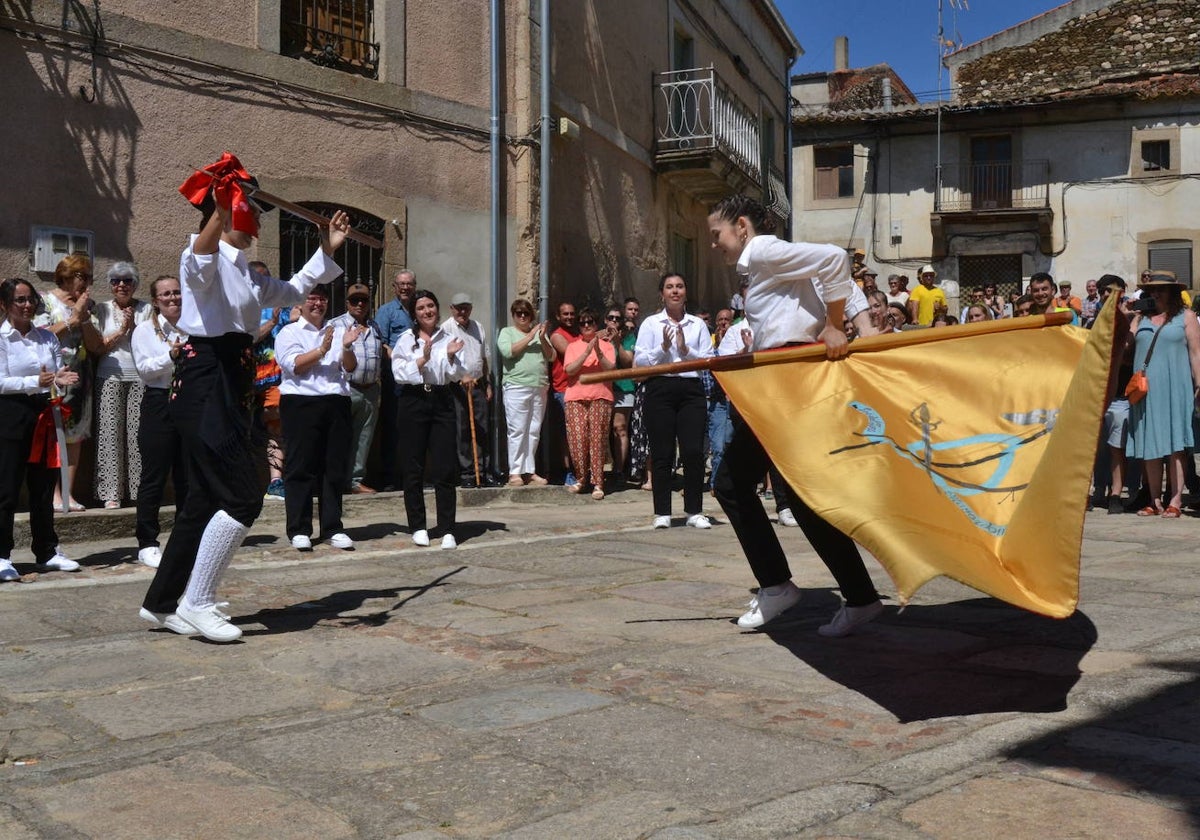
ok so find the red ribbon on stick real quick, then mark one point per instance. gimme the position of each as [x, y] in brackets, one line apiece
[45, 441]
[224, 180]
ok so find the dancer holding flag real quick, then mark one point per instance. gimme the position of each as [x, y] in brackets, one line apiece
[211, 393]
[797, 294]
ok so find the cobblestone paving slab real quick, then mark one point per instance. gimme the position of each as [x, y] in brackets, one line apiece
[569, 672]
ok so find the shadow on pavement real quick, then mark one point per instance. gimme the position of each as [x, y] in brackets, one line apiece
[306, 615]
[946, 660]
[1150, 746]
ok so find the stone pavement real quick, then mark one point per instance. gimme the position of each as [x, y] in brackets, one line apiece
[571, 673]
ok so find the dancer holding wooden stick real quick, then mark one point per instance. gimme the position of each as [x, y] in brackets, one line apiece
[211, 394]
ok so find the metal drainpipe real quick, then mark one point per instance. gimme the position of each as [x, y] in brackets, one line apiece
[787, 156]
[498, 252]
[544, 174]
[543, 301]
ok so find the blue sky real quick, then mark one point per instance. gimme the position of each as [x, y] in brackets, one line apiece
[902, 33]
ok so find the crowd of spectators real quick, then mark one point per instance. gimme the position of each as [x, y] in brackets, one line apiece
[411, 393]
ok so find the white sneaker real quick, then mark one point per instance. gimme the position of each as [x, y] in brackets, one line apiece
[662, 522]
[698, 520]
[61, 563]
[849, 619]
[167, 621]
[421, 537]
[7, 572]
[342, 541]
[767, 607]
[301, 543]
[449, 542]
[787, 519]
[211, 623]
[150, 556]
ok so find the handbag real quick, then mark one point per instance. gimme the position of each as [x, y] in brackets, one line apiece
[1139, 385]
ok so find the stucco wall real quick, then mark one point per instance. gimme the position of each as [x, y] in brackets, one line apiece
[1103, 214]
[124, 155]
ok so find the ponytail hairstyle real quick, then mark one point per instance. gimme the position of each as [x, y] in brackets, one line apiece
[417, 295]
[733, 207]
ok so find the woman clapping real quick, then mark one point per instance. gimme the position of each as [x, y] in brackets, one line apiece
[314, 408]
[424, 362]
[156, 345]
[29, 367]
[588, 407]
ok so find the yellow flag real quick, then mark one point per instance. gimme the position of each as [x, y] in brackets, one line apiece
[969, 457]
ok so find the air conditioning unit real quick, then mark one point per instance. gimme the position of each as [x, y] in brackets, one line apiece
[48, 245]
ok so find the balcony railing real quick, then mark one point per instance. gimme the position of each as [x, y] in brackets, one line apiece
[975, 187]
[777, 200]
[332, 33]
[698, 112]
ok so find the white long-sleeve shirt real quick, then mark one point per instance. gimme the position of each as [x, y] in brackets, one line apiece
[439, 370]
[790, 285]
[222, 295]
[649, 351]
[22, 358]
[474, 349]
[324, 379]
[152, 355]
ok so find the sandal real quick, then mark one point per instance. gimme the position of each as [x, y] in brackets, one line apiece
[1172, 512]
[1149, 510]
[598, 494]
[572, 488]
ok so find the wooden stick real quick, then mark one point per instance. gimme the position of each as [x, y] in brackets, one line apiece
[308, 215]
[474, 445]
[298, 210]
[870, 344]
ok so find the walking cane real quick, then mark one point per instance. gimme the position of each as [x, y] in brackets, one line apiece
[474, 446]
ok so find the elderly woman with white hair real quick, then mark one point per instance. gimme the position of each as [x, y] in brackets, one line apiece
[118, 389]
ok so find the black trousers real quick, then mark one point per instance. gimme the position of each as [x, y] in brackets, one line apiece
[428, 431]
[162, 455]
[676, 411]
[462, 413]
[743, 466]
[210, 404]
[18, 418]
[317, 430]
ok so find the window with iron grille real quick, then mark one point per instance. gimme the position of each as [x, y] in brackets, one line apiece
[298, 239]
[1001, 270]
[833, 167]
[332, 33]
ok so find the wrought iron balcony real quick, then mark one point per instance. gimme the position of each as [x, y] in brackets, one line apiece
[332, 33]
[702, 128]
[985, 187]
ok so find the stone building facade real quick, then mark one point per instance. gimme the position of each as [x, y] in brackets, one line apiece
[1072, 147]
[383, 107]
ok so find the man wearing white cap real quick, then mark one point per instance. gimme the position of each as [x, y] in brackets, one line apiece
[925, 300]
[474, 379]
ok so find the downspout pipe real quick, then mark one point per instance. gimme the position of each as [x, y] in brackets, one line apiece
[497, 250]
[544, 173]
[787, 145]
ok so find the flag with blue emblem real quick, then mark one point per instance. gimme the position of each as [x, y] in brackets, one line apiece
[965, 452]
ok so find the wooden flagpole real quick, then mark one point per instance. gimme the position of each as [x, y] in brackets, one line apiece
[870, 344]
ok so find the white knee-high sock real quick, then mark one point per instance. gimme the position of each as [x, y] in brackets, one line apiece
[221, 539]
